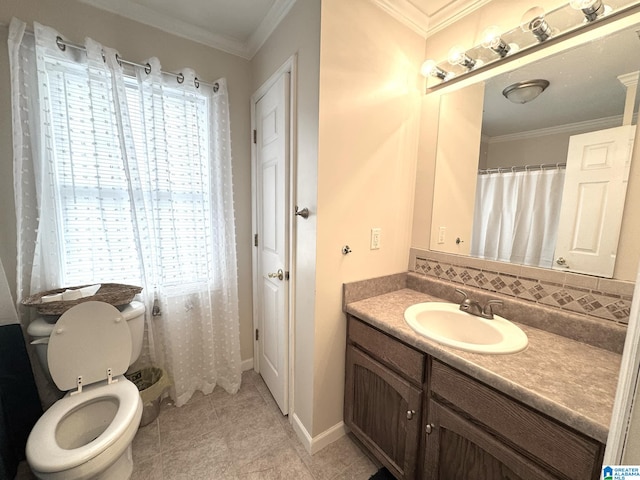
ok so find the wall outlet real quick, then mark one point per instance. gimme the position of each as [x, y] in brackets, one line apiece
[441, 234]
[375, 238]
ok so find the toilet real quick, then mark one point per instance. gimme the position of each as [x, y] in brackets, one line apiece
[87, 434]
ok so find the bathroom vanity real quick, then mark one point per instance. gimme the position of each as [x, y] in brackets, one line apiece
[427, 411]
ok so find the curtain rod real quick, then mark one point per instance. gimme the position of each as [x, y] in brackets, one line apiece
[523, 168]
[63, 44]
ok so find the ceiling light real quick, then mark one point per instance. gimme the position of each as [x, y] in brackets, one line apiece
[533, 21]
[523, 92]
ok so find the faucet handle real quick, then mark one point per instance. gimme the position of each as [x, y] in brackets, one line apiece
[488, 308]
[464, 295]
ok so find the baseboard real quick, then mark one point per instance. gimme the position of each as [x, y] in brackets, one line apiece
[302, 433]
[247, 364]
[317, 443]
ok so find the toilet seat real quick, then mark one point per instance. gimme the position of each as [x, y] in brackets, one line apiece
[43, 452]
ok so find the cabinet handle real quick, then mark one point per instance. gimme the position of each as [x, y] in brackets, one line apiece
[410, 414]
[429, 428]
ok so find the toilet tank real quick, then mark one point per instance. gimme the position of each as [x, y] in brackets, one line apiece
[134, 315]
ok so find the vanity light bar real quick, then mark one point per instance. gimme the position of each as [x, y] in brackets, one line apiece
[537, 26]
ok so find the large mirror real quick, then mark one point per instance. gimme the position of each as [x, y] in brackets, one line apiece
[541, 183]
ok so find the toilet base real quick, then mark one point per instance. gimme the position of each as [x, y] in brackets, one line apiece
[121, 469]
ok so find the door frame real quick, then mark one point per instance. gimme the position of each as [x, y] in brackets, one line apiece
[289, 66]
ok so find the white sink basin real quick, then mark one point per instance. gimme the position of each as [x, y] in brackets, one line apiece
[445, 323]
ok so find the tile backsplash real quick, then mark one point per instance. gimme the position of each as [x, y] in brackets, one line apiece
[592, 296]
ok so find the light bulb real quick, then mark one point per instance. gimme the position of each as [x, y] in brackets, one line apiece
[430, 69]
[592, 9]
[533, 21]
[458, 56]
[491, 39]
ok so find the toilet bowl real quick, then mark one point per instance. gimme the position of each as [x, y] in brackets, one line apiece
[88, 433]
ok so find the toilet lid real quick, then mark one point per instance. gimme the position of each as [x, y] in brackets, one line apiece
[87, 340]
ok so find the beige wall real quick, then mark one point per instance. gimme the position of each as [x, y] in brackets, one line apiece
[355, 170]
[299, 33]
[137, 42]
[370, 92]
[466, 33]
[458, 151]
[528, 151]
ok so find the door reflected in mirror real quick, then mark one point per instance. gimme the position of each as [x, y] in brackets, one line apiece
[501, 188]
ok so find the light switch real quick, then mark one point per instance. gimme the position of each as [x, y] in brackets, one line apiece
[441, 234]
[375, 238]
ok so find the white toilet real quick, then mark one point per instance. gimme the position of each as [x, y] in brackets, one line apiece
[88, 433]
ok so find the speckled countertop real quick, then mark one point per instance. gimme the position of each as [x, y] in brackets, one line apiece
[568, 380]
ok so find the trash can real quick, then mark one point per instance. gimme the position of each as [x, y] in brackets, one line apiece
[151, 383]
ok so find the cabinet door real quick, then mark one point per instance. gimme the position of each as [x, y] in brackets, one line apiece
[456, 449]
[383, 411]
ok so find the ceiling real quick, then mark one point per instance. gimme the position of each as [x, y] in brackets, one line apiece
[240, 27]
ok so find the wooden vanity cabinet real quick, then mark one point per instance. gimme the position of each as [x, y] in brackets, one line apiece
[458, 449]
[425, 420]
[477, 433]
[383, 397]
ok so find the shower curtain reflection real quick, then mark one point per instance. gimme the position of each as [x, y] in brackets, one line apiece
[516, 216]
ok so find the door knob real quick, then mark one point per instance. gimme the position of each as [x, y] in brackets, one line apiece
[279, 275]
[410, 414]
[304, 213]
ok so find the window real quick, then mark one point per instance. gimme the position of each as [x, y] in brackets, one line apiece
[131, 185]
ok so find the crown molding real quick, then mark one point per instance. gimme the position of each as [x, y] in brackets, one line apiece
[452, 13]
[577, 127]
[407, 14]
[629, 79]
[276, 14]
[148, 16]
[423, 24]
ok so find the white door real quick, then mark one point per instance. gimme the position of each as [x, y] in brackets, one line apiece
[593, 201]
[271, 203]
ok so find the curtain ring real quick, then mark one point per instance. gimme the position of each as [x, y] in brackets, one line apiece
[180, 78]
[196, 82]
[118, 59]
[147, 68]
[216, 87]
[60, 43]
[104, 57]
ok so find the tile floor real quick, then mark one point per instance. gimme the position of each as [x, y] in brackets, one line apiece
[242, 436]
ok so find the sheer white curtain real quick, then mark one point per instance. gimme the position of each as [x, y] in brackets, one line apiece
[125, 176]
[516, 216]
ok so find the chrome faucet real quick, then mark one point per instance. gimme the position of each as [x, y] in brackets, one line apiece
[473, 307]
